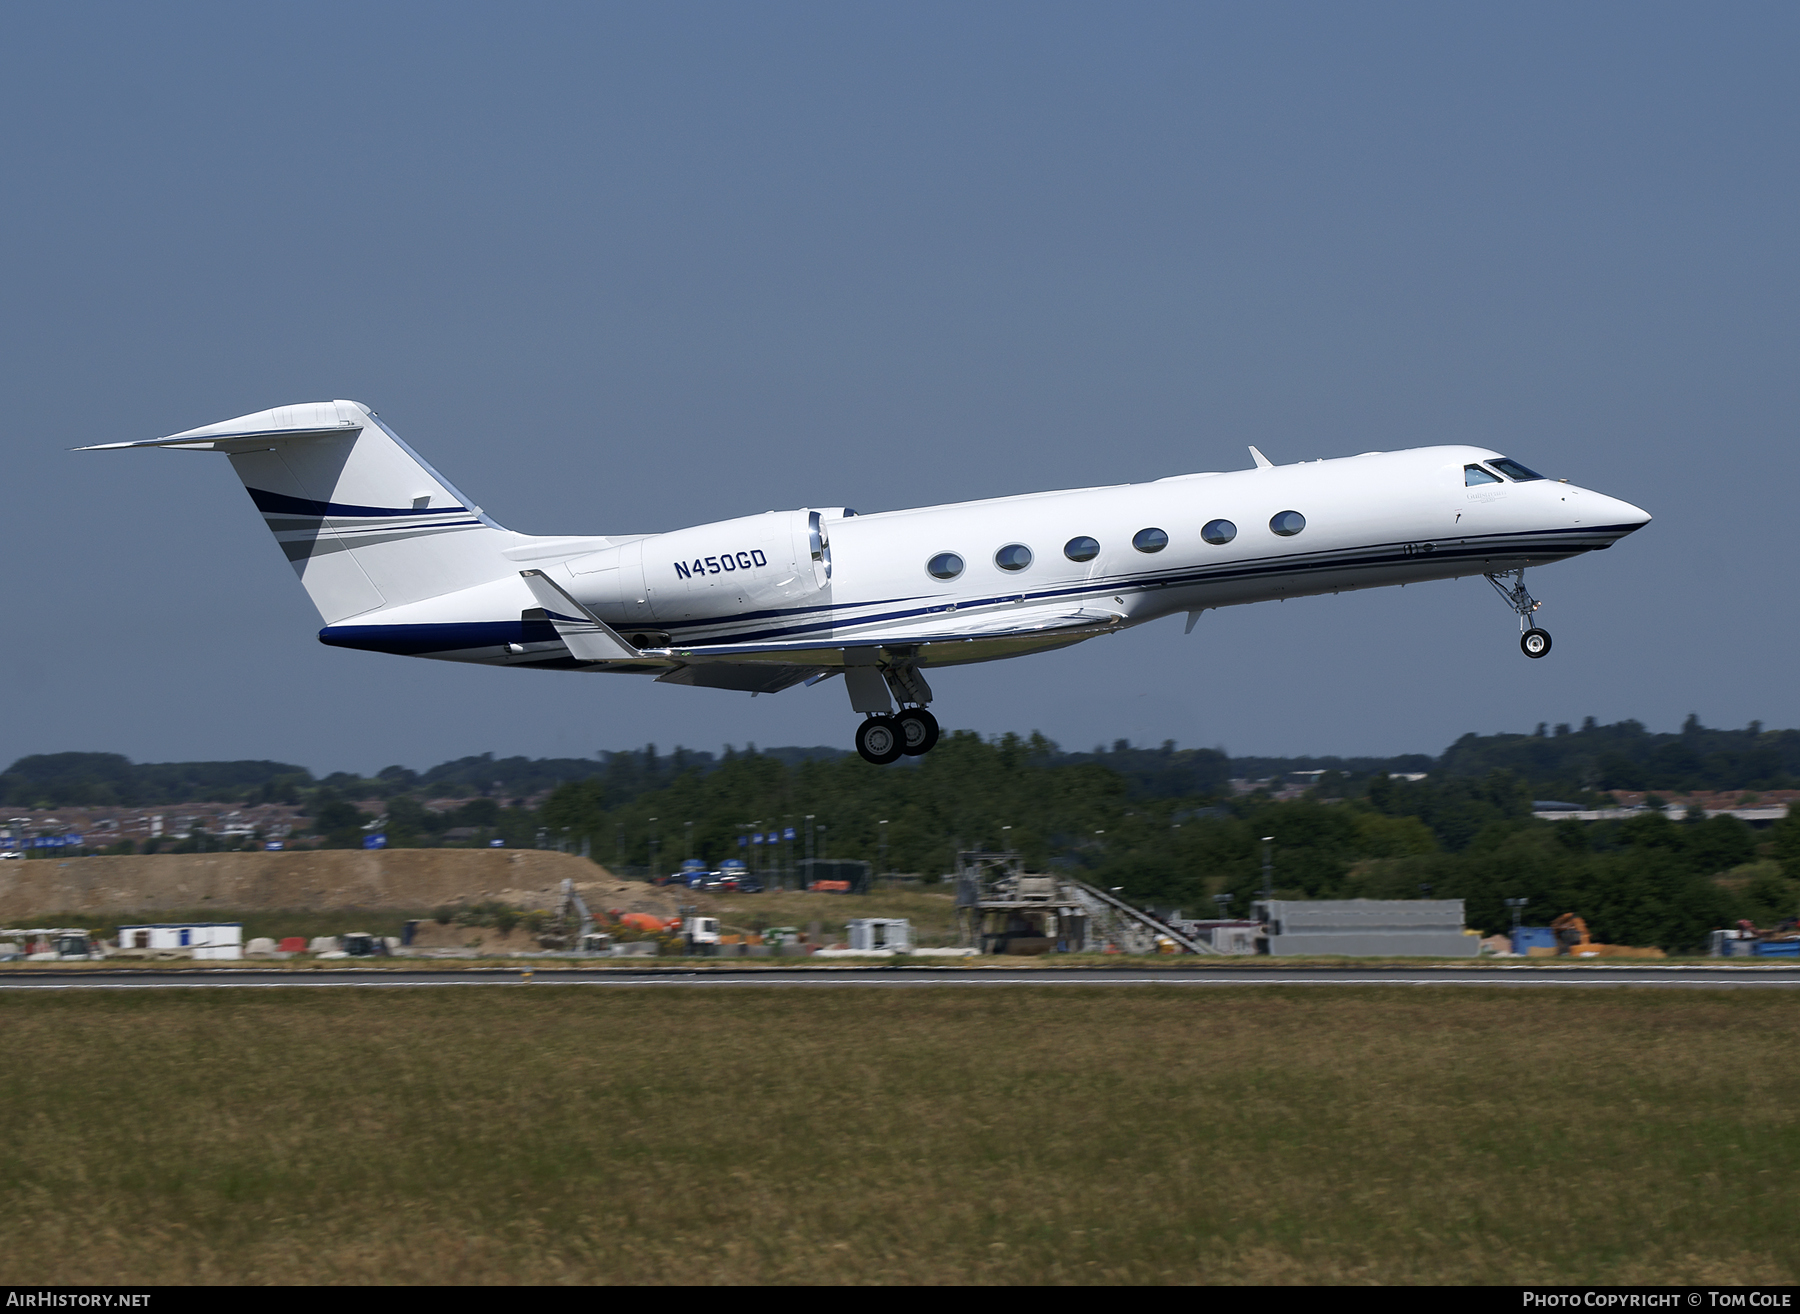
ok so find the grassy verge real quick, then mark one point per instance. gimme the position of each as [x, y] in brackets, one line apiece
[545, 1134]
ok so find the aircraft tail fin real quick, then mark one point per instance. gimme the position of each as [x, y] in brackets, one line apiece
[365, 522]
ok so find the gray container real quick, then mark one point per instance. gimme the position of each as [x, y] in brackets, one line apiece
[1405, 928]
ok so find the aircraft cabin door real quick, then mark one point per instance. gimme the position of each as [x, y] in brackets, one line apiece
[635, 600]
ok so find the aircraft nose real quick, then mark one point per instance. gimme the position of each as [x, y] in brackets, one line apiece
[1618, 512]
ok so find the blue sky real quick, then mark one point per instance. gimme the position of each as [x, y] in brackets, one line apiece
[622, 268]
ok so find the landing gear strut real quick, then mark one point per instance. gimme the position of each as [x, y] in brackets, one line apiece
[875, 685]
[1533, 642]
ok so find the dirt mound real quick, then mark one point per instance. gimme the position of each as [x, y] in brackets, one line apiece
[329, 878]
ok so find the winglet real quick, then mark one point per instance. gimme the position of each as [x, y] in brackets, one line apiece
[589, 638]
[1262, 462]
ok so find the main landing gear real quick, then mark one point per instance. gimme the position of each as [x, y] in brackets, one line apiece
[1533, 642]
[875, 682]
[885, 739]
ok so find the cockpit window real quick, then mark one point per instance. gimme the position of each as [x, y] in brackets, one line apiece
[1474, 474]
[1513, 470]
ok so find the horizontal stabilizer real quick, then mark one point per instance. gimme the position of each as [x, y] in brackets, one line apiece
[199, 441]
[587, 636]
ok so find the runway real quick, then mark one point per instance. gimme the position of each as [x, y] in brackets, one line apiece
[899, 978]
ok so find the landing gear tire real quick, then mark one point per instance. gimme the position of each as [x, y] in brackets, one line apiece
[1534, 642]
[918, 731]
[879, 740]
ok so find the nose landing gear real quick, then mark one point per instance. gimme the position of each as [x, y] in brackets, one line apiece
[1533, 642]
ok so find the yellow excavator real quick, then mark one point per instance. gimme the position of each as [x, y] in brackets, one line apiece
[1572, 939]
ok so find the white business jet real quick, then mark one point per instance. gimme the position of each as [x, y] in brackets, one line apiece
[398, 561]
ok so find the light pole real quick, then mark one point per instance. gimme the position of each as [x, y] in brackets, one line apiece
[1224, 902]
[652, 848]
[883, 848]
[1268, 842]
[690, 837]
[1518, 910]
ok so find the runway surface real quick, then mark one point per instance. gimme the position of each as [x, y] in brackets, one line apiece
[906, 978]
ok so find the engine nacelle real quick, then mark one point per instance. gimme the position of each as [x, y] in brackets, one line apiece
[779, 559]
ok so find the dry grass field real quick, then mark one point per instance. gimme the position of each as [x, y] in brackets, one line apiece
[542, 1133]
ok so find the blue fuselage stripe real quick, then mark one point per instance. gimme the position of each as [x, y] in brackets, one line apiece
[282, 504]
[415, 640]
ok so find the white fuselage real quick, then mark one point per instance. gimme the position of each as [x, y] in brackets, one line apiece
[1370, 520]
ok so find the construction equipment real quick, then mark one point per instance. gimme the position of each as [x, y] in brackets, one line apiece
[1000, 909]
[702, 933]
[1752, 941]
[49, 944]
[360, 944]
[1572, 939]
[572, 902]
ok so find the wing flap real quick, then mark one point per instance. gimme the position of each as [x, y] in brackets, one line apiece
[1019, 623]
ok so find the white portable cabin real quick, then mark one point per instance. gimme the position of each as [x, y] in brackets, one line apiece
[880, 933]
[206, 939]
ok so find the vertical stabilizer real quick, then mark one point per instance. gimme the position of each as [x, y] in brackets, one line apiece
[364, 521]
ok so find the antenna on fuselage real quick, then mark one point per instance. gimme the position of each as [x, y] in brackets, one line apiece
[1262, 462]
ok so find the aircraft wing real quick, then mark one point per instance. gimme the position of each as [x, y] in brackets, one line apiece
[946, 638]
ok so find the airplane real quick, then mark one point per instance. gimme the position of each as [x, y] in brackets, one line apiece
[397, 560]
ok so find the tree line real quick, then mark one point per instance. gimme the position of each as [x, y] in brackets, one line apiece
[1564, 762]
[1163, 824]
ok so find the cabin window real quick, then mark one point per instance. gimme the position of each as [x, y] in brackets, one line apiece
[1287, 523]
[1149, 540]
[1474, 474]
[1081, 549]
[1219, 532]
[1014, 556]
[945, 565]
[1513, 470]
